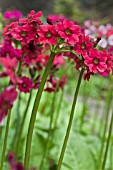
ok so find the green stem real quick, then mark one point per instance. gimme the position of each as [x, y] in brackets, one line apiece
[1, 127]
[35, 108]
[5, 140]
[108, 142]
[20, 65]
[58, 109]
[109, 98]
[17, 123]
[51, 119]
[111, 156]
[50, 129]
[22, 123]
[18, 115]
[70, 121]
[61, 97]
[65, 51]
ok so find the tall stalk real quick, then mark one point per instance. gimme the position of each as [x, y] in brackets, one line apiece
[1, 127]
[50, 129]
[111, 155]
[22, 123]
[5, 140]
[35, 108]
[15, 136]
[70, 121]
[108, 142]
[107, 110]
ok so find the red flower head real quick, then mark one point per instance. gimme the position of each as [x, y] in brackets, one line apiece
[32, 51]
[26, 29]
[68, 31]
[7, 98]
[10, 66]
[96, 61]
[47, 34]
[9, 28]
[87, 74]
[53, 19]
[26, 85]
[55, 83]
[32, 17]
[23, 33]
[109, 63]
[84, 45]
[58, 61]
[7, 49]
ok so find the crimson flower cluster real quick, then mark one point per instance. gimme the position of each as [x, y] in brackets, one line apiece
[28, 37]
[86, 56]
[28, 43]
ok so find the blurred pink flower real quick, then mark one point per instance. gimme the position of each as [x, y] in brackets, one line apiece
[13, 15]
[103, 43]
[7, 97]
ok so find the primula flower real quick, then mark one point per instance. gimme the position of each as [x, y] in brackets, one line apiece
[7, 49]
[32, 51]
[13, 15]
[53, 19]
[41, 60]
[58, 61]
[9, 28]
[7, 98]
[47, 34]
[84, 45]
[96, 61]
[55, 83]
[68, 31]
[25, 85]
[32, 18]
[109, 63]
[10, 66]
[24, 34]
[87, 74]
[26, 29]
